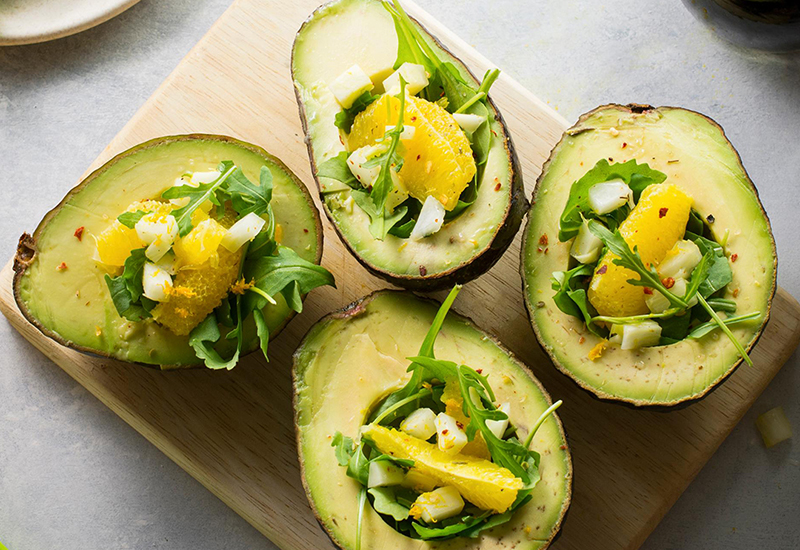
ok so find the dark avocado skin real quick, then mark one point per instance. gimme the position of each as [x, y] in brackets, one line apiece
[529, 307]
[26, 248]
[354, 309]
[477, 265]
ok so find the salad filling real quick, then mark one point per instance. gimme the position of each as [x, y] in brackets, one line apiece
[439, 458]
[205, 255]
[644, 269]
[416, 149]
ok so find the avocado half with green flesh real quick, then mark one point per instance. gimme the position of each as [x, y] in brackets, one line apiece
[347, 32]
[695, 155]
[60, 288]
[350, 361]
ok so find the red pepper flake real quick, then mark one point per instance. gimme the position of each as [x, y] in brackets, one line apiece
[79, 233]
[668, 282]
[479, 371]
[734, 257]
[413, 118]
[423, 270]
[603, 269]
[563, 447]
[305, 230]
[543, 240]
[459, 424]
[494, 133]
[61, 267]
[582, 340]
[735, 292]
[662, 212]
[624, 144]
[497, 187]
[545, 250]
[648, 291]
[610, 159]
[445, 431]
[418, 156]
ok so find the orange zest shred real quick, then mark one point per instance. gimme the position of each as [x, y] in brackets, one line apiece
[597, 351]
[241, 286]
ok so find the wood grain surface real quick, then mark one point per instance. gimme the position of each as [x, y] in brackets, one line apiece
[233, 430]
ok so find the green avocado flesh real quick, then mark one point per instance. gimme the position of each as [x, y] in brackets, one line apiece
[73, 305]
[348, 32]
[696, 156]
[350, 361]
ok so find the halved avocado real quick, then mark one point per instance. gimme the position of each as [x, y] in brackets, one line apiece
[59, 287]
[347, 32]
[352, 359]
[694, 153]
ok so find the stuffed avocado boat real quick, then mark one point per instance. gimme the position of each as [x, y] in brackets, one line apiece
[181, 250]
[412, 159]
[648, 261]
[399, 446]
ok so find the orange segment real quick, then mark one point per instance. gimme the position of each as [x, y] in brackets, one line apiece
[114, 245]
[437, 160]
[654, 225]
[483, 483]
[198, 289]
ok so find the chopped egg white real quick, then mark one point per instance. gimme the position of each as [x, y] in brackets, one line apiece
[349, 85]
[158, 234]
[587, 246]
[499, 427]
[680, 260]
[608, 196]
[383, 473]
[430, 220]
[415, 76]
[450, 438]
[635, 336]
[421, 423]
[469, 122]
[243, 231]
[156, 283]
[442, 503]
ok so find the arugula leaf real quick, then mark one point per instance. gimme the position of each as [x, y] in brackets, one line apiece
[345, 448]
[122, 300]
[127, 291]
[701, 330]
[637, 176]
[631, 259]
[344, 119]
[445, 78]
[197, 196]
[247, 197]
[385, 502]
[724, 327]
[389, 160]
[570, 296]
[129, 219]
[273, 273]
[719, 272]
[675, 328]
[415, 382]
[380, 225]
[336, 168]
[429, 533]
[202, 339]
[262, 331]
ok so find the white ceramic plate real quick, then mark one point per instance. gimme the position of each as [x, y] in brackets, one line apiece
[31, 21]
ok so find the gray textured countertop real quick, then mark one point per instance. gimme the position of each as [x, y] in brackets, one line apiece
[74, 476]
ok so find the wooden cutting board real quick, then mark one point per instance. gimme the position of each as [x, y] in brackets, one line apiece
[234, 432]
